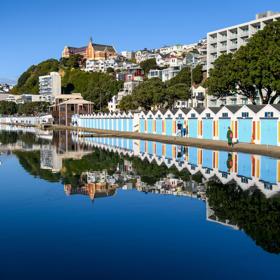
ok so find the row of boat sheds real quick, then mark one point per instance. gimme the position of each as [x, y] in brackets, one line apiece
[258, 124]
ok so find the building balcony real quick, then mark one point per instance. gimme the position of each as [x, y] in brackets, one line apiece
[222, 48]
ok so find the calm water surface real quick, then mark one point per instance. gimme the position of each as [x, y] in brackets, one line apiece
[103, 208]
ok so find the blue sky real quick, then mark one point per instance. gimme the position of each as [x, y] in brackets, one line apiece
[34, 30]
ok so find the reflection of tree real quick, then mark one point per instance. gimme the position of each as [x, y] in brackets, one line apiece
[30, 161]
[97, 161]
[11, 137]
[250, 211]
[151, 172]
[7, 137]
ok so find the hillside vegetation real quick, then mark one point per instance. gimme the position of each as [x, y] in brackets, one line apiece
[96, 87]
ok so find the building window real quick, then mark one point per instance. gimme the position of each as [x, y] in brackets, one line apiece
[192, 115]
[225, 115]
[268, 114]
[245, 115]
[208, 115]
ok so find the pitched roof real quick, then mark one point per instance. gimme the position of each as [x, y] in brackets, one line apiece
[186, 110]
[163, 111]
[233, 108]
[199, 110]
[75, 50]
[276, 106]
[75, 101]
[215, 110]
[255, 108]
[99, 47]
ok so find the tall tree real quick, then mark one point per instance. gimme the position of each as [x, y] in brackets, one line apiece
[252, 71]
[221, 80]
[257, 64]
[183, 77]
[197, 74]
[148, 64]
[149, 93]
[177, 92]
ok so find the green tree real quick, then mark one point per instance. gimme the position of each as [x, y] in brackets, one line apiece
[147, 94]
[74, 61]
[148, 64]
[110, 70]
[8, 108]
[28, 82]
[221, 77]
[197, 74]
[257, 64]
[177, 92]
[33, 108]
[96, 87]
[252, 71]
[183, 77]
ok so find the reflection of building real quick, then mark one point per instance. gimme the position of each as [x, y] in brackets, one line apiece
[93, 184]
[49, 159]
[244, 169]
[52, 155]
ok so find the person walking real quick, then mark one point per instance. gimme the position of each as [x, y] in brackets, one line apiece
[229, 137]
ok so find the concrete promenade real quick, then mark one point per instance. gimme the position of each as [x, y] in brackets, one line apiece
[266, 150]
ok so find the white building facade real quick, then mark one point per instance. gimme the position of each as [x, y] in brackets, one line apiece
[230, 39]
[50, 84]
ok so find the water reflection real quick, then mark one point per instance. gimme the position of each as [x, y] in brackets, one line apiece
[240, 191]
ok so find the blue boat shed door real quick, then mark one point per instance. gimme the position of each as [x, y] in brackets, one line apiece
[223, 128]
[193, 128]
[207, 128]
[269, 131]
[159, 126]
[245, 130]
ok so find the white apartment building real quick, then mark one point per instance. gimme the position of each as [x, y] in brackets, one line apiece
[50, 84]
[231, 38]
